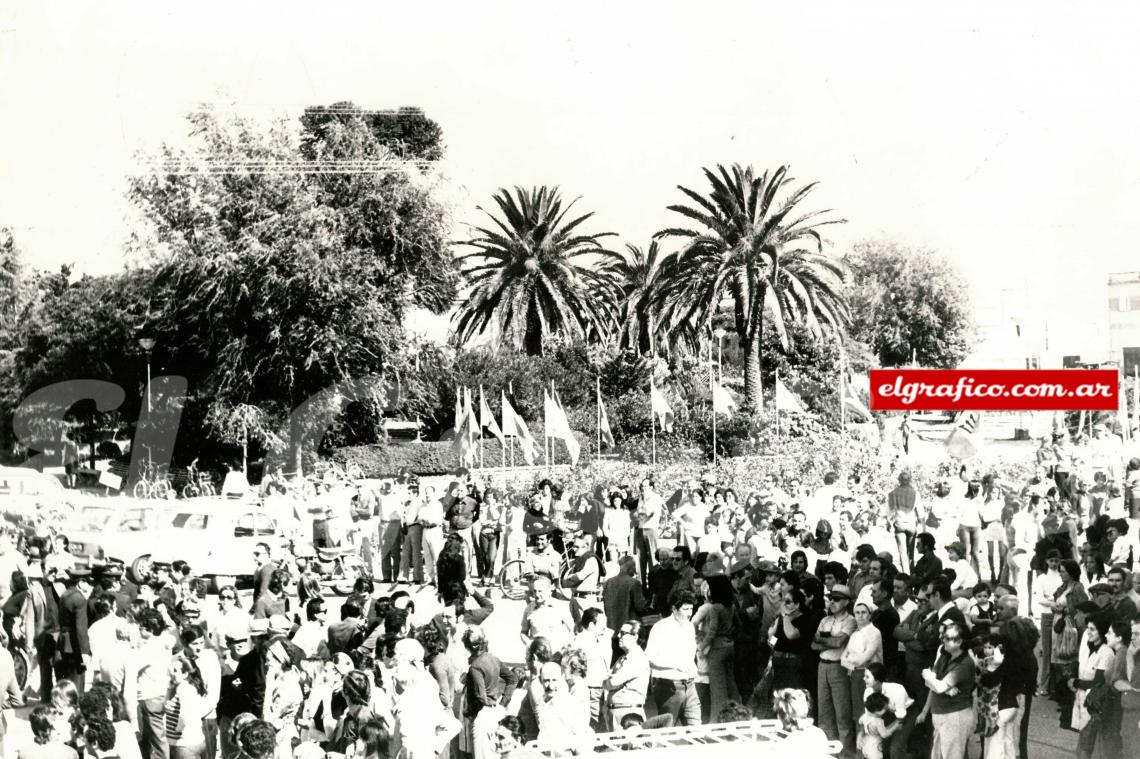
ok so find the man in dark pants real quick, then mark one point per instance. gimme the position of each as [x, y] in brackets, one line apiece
[919, 635]
[45, 608]
[1021, 634]
[74, 649]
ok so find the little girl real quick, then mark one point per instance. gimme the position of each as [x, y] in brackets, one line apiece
[989, 685]
[873, 727]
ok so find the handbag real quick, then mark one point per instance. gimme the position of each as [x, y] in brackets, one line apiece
[1065, 644]
[931, 520]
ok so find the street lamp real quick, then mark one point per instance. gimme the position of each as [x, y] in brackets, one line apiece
[147, 344]
[719, 334]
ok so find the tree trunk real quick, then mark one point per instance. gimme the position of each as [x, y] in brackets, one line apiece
[753, 398]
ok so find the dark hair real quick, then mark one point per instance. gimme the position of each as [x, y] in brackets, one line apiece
[42, 720]
[375, 737]
[926, 540]
[941, 588]
[720, 591]
[795, 554]
[349, 609]
[258, 739]
[686, 554]
[357, 688]
[811, 586]
[791, 576]
[865, 552]
[981, 587]
[191, 633]
[878, 671]
[363, 586]
[798, 597]
[514, 725]
[902, 576]
[115, 700]
[100, 607]
[93, 705]
[876, 702]
[277, 582]
[539, 651]
[1072, 569]
[681, 596]
[151, 621]
[1118, 570]
[100, 733]
[836, 570]
[193, 674]
[475, 639]
[733, 711]
[1123, 627]
[631, 719]
[434, 641]
[589, 616]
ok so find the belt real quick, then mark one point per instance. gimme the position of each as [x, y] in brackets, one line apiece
[830, 661]
[678, 683]
[785, 655]
[584, 593]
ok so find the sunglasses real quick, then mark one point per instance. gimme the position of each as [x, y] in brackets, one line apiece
[228, 598]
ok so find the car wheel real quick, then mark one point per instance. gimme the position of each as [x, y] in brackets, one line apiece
[21, 665]
[140, 569]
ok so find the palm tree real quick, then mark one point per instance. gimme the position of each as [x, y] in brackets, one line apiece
[531, 275]
[637, 277]
[762, 254]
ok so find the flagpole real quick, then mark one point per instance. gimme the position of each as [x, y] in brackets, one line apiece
[599, 396]
[712, 397]
[652, 423]
[776, 402]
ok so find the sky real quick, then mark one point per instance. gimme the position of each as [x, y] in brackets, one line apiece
[1003, 135]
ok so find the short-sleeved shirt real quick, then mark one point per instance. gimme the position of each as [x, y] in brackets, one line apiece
[959, 672]
[898, 700]
[833, 625]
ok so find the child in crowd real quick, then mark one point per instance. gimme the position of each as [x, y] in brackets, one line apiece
[874, 727]
[982, 611]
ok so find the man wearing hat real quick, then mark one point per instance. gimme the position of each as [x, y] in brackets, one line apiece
[833, 686]
[747, 611]
[110, 581]
[74, 647]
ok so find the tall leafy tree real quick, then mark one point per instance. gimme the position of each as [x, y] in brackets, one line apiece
[637, 276]
[755, 245]
[533, 275]
[273, 285]
[909, 302]
[407, 132]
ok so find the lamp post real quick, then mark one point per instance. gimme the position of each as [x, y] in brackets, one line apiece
[719, 334]
[147, 344]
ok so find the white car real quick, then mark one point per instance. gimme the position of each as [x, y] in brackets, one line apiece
[24, 492]
[216, 537]
[117, 529]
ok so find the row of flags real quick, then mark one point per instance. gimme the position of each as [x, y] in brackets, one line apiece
[472, 422]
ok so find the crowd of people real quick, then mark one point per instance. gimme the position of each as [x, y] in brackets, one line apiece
[871, 624]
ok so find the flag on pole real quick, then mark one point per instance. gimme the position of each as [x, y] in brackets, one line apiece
[722, 402]
[786, 400]
[514, 426]
[474, 431]
[486, 418]
[604, 430]
[851, 400]
[458, 409]
[572, 444]
[659, 407]
[558, 426]
[965, 440]
[465, 431]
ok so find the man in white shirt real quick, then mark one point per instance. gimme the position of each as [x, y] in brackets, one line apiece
[560, 720]
[391, 510]
[650, 507]
[821, 504]
[628, 682]
[672, 652]
[595, 642]
[411, 554]
[543, 618]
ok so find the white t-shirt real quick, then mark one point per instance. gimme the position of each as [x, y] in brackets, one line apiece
[897, 699]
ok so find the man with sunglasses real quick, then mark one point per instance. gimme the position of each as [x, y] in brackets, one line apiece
[950, 701]
[919, 635]
[628, 681]
[833, 688]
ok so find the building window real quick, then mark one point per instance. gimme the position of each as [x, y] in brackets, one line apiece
[1113, 304]
[1134, 303]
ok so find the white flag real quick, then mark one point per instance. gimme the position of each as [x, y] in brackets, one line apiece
[721, 400]
[659, 407]
[514, 426]
[486, 418]
[786, 400]
[965, 440]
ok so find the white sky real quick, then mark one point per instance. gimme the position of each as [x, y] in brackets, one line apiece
[1003, 136]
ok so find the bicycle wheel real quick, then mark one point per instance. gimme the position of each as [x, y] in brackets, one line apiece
[162, 489]
[141, 489]
[190, 491]
[22, 665]
[512, 579]
[208, 490]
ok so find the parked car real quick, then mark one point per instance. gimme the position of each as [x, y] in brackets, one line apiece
[216, 537]
[115, 529]
[24, 492]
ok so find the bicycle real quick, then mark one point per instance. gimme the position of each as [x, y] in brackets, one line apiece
[152, 482]
[199, 483]
[513, 579]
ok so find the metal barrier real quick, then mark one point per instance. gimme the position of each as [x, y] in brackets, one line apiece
[730, 739]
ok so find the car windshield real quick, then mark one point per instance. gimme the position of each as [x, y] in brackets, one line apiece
[191, 521]
[136, 520]
[94, 517]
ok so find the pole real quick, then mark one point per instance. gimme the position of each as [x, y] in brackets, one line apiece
[599, 415]
[719, 360]
[148, 382]
[712, 394]
[244, 450]
[653, 434]
[776, 402]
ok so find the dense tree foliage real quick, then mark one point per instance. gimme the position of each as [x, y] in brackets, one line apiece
[533, 275]
[908, 301]
[754, 244]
